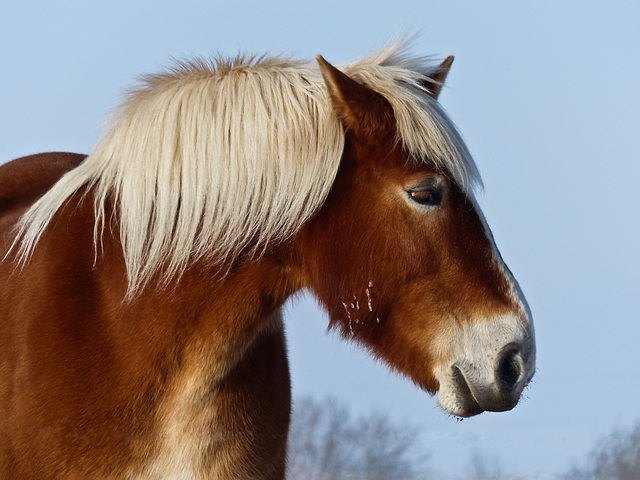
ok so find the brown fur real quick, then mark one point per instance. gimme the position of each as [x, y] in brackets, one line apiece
[441, 265]
[86, 402]
[92, 386]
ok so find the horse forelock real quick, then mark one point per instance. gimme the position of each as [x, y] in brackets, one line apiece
[212, 158]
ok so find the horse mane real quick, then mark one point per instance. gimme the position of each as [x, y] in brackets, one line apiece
[214, 157]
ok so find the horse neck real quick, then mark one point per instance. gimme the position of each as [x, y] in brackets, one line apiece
[184, 371]
[223, 377]
[204, 312]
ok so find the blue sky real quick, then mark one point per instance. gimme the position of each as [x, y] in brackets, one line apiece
[546, 95]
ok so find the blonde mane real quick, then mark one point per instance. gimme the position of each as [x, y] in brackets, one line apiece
[214, 157]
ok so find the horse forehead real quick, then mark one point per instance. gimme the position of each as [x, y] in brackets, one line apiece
[390, 160]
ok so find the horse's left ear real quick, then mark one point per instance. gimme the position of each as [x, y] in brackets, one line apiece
[365, 113]
[435, 83]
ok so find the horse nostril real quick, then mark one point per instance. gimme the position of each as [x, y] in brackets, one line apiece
[509, 370]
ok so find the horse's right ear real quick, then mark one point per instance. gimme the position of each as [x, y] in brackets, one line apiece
[365, 113]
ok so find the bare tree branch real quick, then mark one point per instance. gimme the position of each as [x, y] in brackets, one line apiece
[326, 443]
[615, 457]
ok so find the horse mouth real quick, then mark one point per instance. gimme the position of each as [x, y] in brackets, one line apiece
[467, 403]
[466, 398]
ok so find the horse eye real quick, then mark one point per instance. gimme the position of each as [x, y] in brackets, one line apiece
[430, 196]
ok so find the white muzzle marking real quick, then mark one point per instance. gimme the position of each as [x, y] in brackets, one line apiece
[489, 363]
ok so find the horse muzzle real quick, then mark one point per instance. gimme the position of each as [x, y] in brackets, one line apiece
[492, 364]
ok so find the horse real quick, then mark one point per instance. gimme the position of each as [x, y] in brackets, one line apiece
[142, 285]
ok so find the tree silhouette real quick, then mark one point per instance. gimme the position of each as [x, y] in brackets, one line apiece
[327, 443]
[615, 457]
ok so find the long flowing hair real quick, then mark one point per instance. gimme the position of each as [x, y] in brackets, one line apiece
[213, 157]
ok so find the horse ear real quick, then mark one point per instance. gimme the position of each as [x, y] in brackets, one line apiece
[364, 112]
[435, 83]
